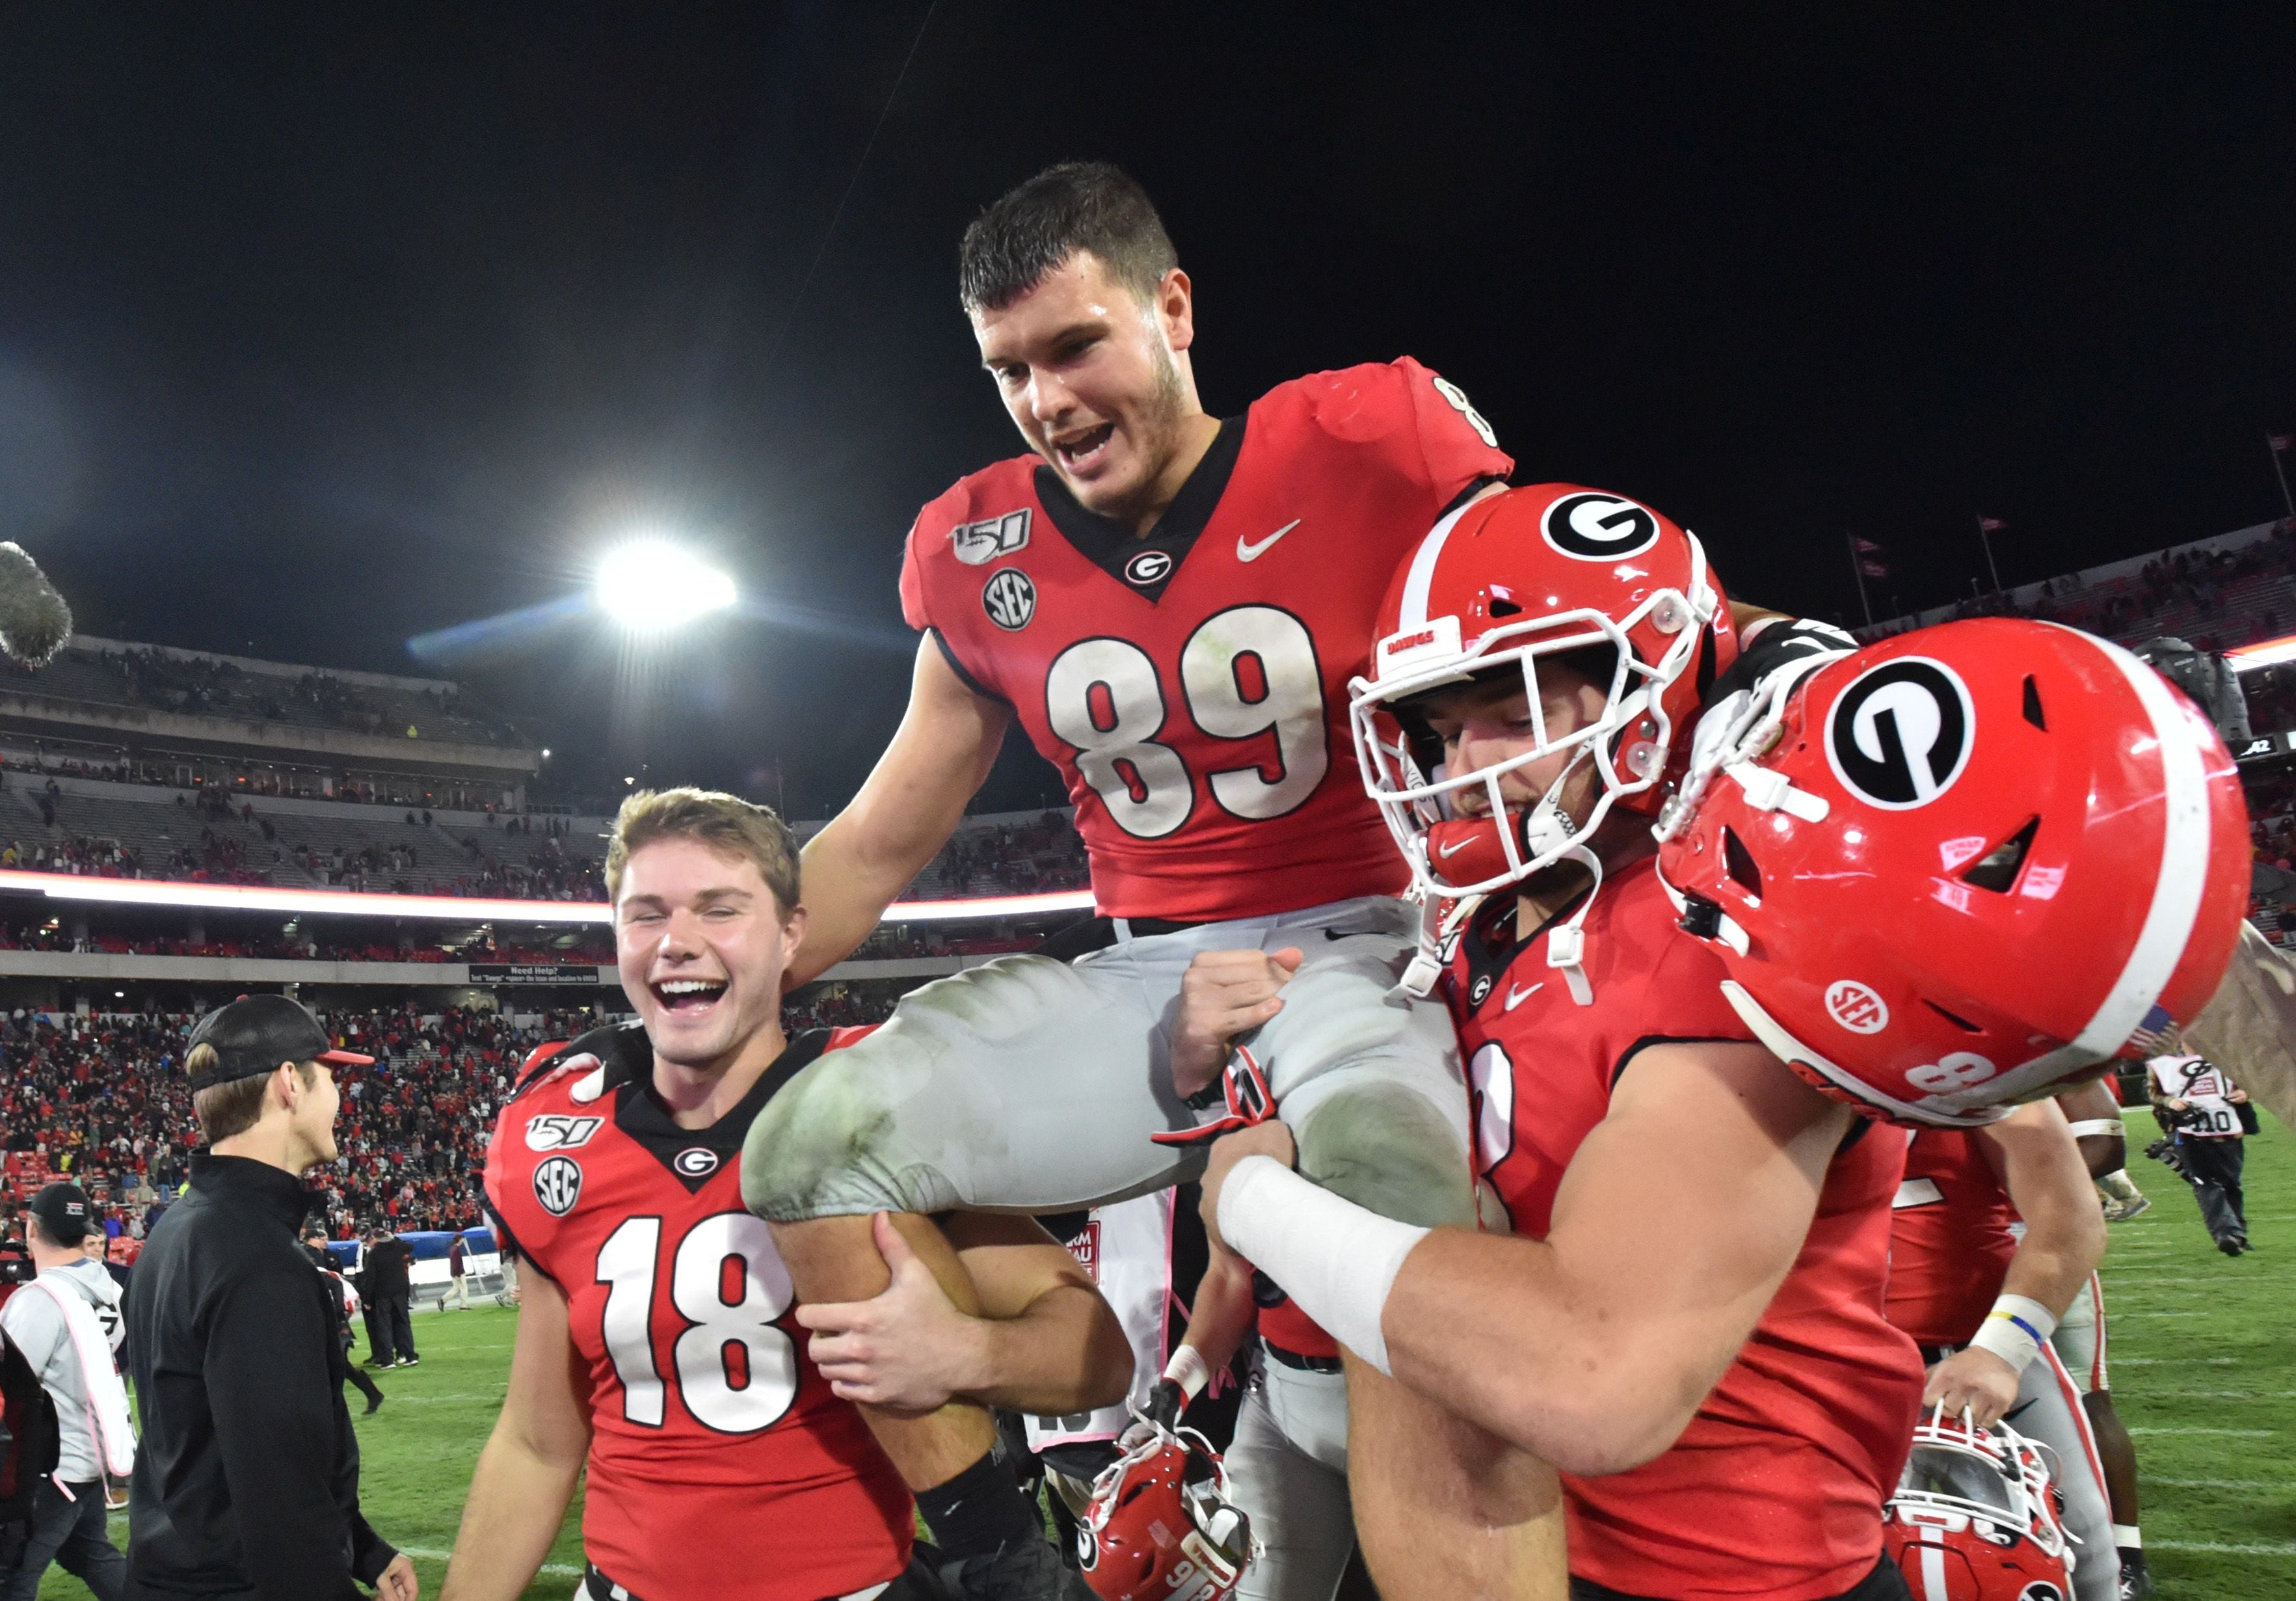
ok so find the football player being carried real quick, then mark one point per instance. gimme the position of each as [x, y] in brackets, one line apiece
[1983, 1303]
[1170, 605]
[1687, 1321]
[656, 1343]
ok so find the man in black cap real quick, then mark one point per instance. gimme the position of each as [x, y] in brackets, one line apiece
[246, 1486]
[314, 1246]
[74, 1365]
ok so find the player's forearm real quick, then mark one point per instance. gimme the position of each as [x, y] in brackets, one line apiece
[847, 886]
[1065, 1353]
[517, 1503]
[1492, 1327]
[2056, 1258]
[1222, 1312]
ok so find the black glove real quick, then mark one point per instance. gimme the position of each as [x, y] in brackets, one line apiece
[1166, 1401]
[1777, 643]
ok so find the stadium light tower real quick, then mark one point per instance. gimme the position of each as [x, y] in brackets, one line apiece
[650, 586]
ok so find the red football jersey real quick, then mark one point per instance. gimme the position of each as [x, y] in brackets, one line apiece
[1775, 1489]
[720, 1464]
[1950, 1239]
[1192, 686]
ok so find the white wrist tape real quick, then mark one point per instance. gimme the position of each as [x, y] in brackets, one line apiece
[1334, 1258]
[2016, 1329]
[2111, 1127]
[1188, 1370]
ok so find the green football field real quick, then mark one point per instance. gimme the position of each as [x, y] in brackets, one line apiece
[2202, 1370]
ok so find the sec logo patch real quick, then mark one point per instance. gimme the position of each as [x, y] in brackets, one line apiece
[1010, 599]
[1856, 1007]
[558, 1185]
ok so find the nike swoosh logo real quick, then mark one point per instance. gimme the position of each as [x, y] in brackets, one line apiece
[1246, 551]
[1448, 851]
[1515, 998]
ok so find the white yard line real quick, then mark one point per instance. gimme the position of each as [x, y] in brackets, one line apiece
[2164, 1361]
[560, 1568]
[2278, 1548]
[2240, 1434]
[2216, 1484]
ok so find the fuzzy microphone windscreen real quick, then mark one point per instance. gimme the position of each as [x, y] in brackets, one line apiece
[34, 619]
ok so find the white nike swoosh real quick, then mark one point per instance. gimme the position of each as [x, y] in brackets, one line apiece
[1515, 998]
[1245, 551]
[1448, 851]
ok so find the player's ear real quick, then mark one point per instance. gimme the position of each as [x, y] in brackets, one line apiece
[793, 926]
[1176, 309]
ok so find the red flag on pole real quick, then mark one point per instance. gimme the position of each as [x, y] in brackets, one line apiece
[1866, 547]
[1991, 525]
[1869, 566]
[2281, 442]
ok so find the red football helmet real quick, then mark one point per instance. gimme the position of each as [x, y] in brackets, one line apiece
[1961, 868]
[1160, 1526]
[1504, 582]
[1976, 1517]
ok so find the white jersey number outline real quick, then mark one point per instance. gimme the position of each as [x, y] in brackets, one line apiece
[1104, 699]
[627, 1266]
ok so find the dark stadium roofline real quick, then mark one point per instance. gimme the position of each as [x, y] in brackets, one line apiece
[259, 897]
[257, 664]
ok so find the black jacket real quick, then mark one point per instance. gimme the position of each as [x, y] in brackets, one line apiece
[385, 1273]
[247, 1477]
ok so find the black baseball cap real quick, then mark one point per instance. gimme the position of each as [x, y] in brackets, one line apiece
[65, 1215]
[257, 1032]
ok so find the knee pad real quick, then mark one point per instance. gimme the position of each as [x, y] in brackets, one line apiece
[1386, 1147]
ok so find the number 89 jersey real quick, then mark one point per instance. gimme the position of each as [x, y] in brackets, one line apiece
[1191, 686]
[720, 1464]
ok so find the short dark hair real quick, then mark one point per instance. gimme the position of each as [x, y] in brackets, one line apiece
[235, 1106]
[1075, 206]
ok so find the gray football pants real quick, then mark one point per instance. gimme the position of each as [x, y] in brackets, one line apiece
[1031, 1085]
[1287, 1468]
[2049, 1409]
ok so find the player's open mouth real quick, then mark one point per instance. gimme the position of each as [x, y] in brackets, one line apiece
[688, 995]
[1085, 449]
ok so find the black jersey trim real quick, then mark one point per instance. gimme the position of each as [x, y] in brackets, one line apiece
[1486, 958]
[501, 1226]
[964, 674]
[1109, 546]
[1474, 488]
[639, 1113]
[1648, 1041]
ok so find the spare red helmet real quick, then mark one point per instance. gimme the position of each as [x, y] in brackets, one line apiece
[1976, 1517]
[1160, 1526]
[1504, 582]
[1973, 863]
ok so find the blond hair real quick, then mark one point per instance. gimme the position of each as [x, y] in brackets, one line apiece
[726, 823]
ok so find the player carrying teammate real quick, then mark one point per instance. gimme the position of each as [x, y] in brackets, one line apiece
[656, 1343]
[1170, 605]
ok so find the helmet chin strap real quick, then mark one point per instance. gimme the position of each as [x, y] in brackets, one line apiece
[1566, 947]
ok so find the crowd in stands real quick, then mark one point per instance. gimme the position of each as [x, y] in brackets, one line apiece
[209, 776]
[1007, 858]
[2214, 599]
[32, 934]
[212, 687]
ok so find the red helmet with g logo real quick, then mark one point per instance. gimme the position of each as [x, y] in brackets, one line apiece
[1160, 1526]
[1976, 1517]
[1507, 581]
[1963, 868]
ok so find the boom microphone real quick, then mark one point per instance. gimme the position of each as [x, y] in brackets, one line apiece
[35, 620]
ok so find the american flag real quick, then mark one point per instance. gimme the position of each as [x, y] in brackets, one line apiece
[1866, 547]
[1991, 525]
[2281, 441]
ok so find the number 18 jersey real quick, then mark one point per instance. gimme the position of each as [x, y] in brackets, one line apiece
[1191, 686]
[720, 1464]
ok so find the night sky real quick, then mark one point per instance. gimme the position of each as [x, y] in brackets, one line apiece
[319, 331]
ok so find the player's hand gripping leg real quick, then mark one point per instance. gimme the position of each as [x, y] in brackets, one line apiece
[990, 1534]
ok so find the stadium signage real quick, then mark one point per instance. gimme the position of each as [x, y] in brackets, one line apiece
[2267, 747]
[531, 973]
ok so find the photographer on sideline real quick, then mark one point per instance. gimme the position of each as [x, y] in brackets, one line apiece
[247, 1484]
